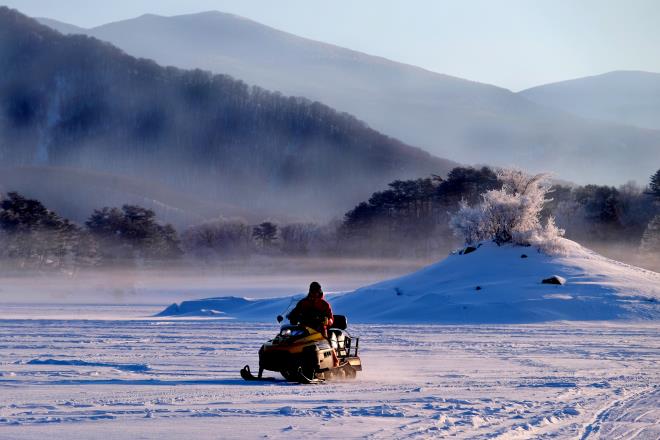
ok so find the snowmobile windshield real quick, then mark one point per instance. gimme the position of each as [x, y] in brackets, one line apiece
[292, 332]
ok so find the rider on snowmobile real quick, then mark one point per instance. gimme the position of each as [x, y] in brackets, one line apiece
[313, 311]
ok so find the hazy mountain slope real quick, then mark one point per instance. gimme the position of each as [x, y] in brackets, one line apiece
[75, 193]
[626, 97]
[60, 26]
[464, 120]
[75, 101]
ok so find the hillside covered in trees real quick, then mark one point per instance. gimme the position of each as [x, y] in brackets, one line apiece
[411, 219]
[468, 121]
[414, 215]
[77, 102]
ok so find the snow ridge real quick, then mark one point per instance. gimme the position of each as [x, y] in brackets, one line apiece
[492, 284]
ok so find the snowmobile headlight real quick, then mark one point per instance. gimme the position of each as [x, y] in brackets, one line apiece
[289, 332]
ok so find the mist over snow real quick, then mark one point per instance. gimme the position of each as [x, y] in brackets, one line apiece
[513, 269]
[492, 284]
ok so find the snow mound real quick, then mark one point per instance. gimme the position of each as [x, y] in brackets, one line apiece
[232, 307]
[493, 284]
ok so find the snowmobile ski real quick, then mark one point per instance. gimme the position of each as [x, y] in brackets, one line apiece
[246, 374]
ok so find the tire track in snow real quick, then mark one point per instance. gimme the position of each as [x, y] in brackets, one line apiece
[595, 425]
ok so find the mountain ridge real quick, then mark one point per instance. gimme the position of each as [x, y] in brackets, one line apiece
[469, 121]
[91, 105]
[628, 97]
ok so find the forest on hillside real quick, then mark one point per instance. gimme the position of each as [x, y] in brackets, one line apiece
[75, 101]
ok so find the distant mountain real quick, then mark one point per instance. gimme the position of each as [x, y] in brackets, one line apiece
[464, 120]
[625, 97]
[77, 102]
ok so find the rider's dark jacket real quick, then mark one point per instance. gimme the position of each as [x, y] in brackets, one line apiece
[311, 311]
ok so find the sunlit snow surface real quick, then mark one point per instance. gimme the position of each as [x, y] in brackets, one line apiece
[102, 378]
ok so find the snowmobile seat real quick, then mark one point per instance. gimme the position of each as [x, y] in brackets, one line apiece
[340, 322]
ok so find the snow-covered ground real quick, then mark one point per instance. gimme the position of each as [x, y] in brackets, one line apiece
[522, 359]
[105, 378]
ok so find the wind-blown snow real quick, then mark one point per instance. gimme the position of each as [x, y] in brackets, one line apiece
[80, 363]
[494, 284]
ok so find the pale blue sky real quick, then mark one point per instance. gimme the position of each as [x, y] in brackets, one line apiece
[510, 43]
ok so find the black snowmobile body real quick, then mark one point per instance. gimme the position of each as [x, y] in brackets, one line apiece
[302, 354]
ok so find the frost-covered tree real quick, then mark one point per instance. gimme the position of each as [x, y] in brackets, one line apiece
[650, 243]
[469, 223]
[510, 214]
[297, 238]
[217, 238]
[651, 238]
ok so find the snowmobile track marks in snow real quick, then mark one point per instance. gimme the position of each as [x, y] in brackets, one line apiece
[603, 415]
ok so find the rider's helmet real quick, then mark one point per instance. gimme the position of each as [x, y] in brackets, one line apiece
[315, 287]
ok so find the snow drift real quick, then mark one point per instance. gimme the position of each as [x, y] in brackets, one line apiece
[492, 284]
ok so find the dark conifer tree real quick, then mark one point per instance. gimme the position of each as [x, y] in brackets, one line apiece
[265, 234]
[35, 237]
[131, 233]
[654, 185]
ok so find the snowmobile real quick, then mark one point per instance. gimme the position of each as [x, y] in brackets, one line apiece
[300, 353]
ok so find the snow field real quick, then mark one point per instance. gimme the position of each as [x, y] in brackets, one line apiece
[104, 379]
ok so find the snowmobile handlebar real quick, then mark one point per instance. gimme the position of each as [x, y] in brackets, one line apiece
[312, 321]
